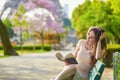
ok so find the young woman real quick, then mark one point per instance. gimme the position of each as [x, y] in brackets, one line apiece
[87, 52]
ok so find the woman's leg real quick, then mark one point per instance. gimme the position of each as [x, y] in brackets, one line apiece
[66, 74]
[77, 76]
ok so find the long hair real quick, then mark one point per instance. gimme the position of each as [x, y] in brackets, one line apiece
[97, 31]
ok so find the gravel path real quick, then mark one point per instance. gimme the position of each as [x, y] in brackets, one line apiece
[35, 66]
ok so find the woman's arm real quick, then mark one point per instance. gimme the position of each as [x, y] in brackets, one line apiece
[76, 51]
[99, 51]
[77, 48]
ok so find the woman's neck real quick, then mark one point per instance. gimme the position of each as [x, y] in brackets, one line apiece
[88, 45]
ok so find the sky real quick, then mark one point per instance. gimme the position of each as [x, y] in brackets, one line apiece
[2, 3]
[71, 3]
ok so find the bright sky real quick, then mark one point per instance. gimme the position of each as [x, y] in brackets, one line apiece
[2, 2]
[72, 4]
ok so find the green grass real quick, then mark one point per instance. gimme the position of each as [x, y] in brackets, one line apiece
[30, 51]
[1, 56]
[1, 52]
[23, 52]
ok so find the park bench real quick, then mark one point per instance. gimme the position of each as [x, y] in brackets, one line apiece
[97, 70]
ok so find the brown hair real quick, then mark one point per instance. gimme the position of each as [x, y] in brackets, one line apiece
[97, 31]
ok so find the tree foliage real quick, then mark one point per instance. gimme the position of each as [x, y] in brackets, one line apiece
[8, 26]
[17, 17]
[97, 13]
[115, 19]
[41, 22]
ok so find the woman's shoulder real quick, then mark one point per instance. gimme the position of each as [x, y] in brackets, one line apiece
[80, 42]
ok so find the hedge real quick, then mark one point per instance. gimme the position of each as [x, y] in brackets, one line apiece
[37, 47]
[111, 48]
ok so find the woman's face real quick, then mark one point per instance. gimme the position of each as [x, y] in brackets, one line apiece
[90, 37]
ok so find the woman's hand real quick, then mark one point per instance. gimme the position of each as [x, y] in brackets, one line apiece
[102, 36]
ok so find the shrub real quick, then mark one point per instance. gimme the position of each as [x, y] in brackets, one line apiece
[27, 47]
[37, 47]
[47, 47]
[111, 48]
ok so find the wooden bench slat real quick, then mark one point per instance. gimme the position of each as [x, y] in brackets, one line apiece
[96, 72]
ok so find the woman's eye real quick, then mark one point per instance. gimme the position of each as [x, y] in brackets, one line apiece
[91, 37]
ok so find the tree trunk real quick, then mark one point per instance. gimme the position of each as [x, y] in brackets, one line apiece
[42, 40]
[7, 47]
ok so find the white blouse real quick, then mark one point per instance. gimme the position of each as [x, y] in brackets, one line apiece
[84, 59]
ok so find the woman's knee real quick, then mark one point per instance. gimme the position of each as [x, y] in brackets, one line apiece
[66, 73]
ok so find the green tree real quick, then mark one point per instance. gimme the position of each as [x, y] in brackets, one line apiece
[96, 13]
[18, 20]
[80, 17]
[115, 19]
[8, 26]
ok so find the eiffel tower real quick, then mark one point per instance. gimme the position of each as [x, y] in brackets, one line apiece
[13, 4]
[59, 8]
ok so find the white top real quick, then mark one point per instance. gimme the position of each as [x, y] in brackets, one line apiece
[83, 58]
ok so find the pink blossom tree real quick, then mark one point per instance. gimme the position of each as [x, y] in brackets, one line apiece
[44, 22]
[19, 22]
[46, 4]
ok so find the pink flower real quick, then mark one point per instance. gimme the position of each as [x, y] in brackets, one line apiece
[30, 6]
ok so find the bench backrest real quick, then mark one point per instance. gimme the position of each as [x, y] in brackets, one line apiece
[96, 72]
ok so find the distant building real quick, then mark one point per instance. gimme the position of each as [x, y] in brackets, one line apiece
[66, 10]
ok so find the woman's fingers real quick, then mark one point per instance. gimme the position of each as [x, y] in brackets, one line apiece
[102, 36]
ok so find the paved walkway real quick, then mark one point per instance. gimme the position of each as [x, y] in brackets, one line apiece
[36, 67]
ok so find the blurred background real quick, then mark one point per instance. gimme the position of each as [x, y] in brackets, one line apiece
[46, 25]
